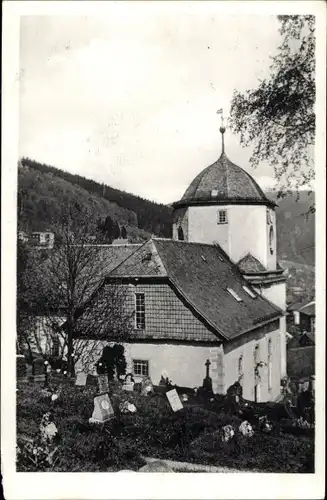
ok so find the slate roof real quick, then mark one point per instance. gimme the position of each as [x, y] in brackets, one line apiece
[308, 308]
[201, 273]
[231, 183]
[249, 264]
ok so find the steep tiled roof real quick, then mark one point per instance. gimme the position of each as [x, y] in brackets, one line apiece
[202, 274]
[223, 181]
[250, 264]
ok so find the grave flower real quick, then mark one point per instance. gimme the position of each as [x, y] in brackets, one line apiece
[246, 429]
[264, 424]
[184, 398]
[48, 429]
[127, 407]
[227, 433]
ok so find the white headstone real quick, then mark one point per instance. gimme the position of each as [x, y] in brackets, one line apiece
[103, 409]
[81, 378]
[174, 400]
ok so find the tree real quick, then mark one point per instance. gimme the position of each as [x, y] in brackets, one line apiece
[278, 117]
[70, 283]
[109, 230]
[25, 309]
[123, 233]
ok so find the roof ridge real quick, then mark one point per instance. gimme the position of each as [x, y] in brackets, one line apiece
[123, 261]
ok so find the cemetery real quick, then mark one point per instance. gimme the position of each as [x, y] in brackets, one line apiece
[101, 423]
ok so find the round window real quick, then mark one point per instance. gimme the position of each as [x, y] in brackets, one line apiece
[271, 239]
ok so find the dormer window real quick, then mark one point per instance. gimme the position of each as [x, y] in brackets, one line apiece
[234, 294]
[222, 217]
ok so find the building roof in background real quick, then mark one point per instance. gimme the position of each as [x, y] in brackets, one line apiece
[202, 274]
[223, 182]
[304, 307]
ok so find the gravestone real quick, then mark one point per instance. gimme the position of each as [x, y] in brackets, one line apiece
[103, 410]
[81, 378]
[174, 400]
[103, 384]
[128, 384]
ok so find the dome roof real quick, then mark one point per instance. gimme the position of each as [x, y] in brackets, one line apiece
[223, 182]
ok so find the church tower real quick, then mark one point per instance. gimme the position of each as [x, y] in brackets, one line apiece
[224, 205]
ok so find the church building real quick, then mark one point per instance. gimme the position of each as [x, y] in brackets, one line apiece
[211, 299]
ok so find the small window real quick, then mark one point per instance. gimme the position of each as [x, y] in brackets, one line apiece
[234, 294]
[140, 311]
[249, 292]
[222, 217]
[141, 367]
[269, 347]
[180, 233]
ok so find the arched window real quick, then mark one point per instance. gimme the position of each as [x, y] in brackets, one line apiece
[180, 233]
[269, 365]
[256, 374]
[271, 239]
[240, 370]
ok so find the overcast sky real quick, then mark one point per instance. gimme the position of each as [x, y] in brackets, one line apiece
[131, 100]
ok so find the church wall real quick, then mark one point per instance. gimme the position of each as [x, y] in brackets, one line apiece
[276, 293]
[180, 220]
[271, 257]
[203, 227]
[184, 364]
[244, 346]
[247, 232]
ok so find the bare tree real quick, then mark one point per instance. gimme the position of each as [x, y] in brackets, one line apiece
[71, 286]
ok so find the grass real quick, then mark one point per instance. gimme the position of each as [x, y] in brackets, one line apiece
[190, 435]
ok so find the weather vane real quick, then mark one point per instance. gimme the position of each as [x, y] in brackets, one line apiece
[222, 128]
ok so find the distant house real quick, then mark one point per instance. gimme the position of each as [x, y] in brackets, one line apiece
[301, 316]
[42, 239]
[301, 355]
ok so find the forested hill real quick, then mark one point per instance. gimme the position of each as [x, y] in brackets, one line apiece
[295, 228]
[43, 188]
[149, 216]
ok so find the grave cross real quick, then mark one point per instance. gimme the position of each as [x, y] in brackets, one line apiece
[207, 363]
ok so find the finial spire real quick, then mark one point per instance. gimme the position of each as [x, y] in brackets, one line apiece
[222, 129]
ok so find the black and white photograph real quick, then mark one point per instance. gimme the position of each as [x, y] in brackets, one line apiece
[164, 245]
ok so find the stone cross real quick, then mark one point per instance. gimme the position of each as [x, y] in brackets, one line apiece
[207, 364]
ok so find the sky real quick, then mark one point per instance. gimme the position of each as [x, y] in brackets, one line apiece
[131, 100]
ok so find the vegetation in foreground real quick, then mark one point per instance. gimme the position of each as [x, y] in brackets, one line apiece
[192, 434]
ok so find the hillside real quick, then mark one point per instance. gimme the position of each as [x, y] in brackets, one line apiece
[42, 189]
[295, 228]
[150, 217]
[41, 196]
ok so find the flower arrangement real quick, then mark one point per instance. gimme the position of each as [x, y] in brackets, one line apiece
[246, 429]
[41, 451]
[227, 433]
